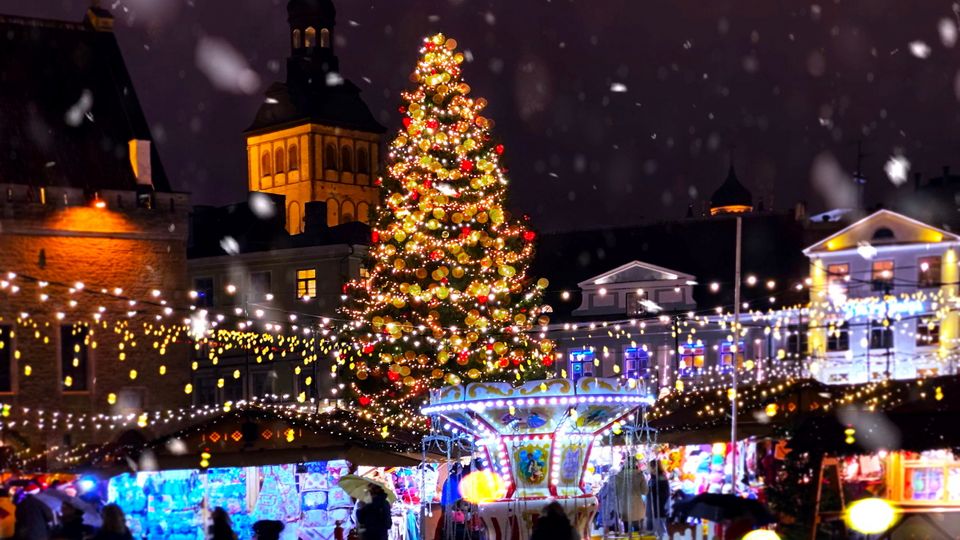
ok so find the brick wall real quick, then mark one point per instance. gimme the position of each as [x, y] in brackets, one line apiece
[134, 249]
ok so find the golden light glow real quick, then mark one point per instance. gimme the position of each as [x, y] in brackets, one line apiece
[482, 486]
[731, 209]
[871, 516]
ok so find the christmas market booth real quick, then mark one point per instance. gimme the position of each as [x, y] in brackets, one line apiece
[260, 462]
[899, 444]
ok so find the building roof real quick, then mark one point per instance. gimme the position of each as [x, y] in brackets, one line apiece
[883, 227]
[330, 101]
[731, 193]
[702, 247]
[634, 272]
[254, 233]
[68, 108]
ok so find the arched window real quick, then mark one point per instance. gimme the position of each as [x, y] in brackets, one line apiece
[333, 212]
[293, 161]
[347, 211]
[330, 160]
[265, 169]
[346, 159]
[884, 233]
[294, 218]
[310, 37]
[278, 160]
[363, 212]
[363, 161]
[296, 39]
[325, 38]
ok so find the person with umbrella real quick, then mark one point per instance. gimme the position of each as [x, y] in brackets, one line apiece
[373, 517]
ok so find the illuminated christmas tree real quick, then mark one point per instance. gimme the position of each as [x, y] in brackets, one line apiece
[447, 299]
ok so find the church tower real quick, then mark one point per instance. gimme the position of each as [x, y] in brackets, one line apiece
[313, 138]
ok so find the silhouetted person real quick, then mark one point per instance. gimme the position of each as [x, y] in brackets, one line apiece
[267, 529]
[71, 525]
[114, 525]
[658, 497]
[32, 517]
[220, 526]
[553, 524]
[373, 518]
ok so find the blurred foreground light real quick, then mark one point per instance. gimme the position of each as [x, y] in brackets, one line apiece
[761, 534]
[482, 486]
[871, 516]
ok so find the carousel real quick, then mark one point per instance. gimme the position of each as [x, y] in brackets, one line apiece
[536, 441]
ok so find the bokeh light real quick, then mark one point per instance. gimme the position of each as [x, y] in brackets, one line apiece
[482, 486]
[871, 516]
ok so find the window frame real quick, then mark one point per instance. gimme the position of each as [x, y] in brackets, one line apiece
[928, 329]
[254, 287]
[306, 281]
[266, 164]
[584, 359]
[798, 338]
[724, 353]
[641, 370]
[877, 281]
[840, 337]
[346, 159]
[698, 354]
[881, 337]
[293, 157]
[330, 159]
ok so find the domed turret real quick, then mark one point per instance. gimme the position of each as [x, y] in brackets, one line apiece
[731, 197]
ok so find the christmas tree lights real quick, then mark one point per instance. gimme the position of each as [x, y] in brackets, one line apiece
[447, 299]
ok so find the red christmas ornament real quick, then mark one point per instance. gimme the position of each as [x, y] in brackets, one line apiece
[427, 184]
[489, 346]
[367, 349]
[436, 255]
[364, 401]
[375, 237]
[414, 195]
[444, 281]
[393, 376]
[463, 358]
[466, 165]
[402, 109]
[406, 121]
[432, 123]
[498, 148]
[503, 362]
[528, 236]
[465, 231]
[430, 46]
[378, 182]
[516, 361]
[548, 361]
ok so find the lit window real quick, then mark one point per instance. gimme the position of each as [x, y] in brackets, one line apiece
[325, 38]
[838, 337]
[928, 332]
[928, 272]
[293, 161]
[307, 283]
[74, 344]
[882, 275]
[636, 363]
[837, 275]
[581, 364]
[692, 358]
[726, 355]
[296, 39]
[310, 37]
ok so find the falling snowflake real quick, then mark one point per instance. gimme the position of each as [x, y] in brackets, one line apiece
[262, 206]
[866, 250]
[919, 49]
[618, 87]
[230, 245]
[79, 110]
[226, 68]
[334, 79]
[948, 32]
[897, 169]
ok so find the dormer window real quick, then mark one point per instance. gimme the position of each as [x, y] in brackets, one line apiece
[310, 37]
[884, 234]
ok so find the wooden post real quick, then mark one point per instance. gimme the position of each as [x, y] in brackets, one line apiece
[824, 463]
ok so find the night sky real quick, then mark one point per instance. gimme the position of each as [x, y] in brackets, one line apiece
[612, 111]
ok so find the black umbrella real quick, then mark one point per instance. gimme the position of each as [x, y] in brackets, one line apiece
[717, 507]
